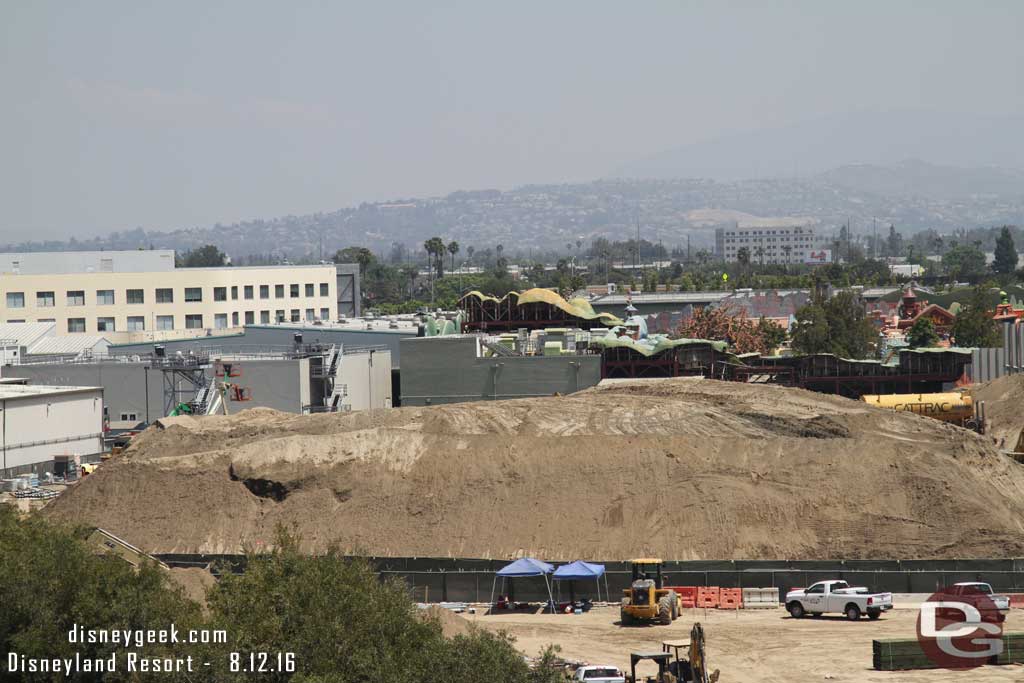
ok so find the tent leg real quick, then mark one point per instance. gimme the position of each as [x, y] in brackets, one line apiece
[551, 599]
[490, 607]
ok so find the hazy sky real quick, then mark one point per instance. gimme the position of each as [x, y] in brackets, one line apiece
[115, 115]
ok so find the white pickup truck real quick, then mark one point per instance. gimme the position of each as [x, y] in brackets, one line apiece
[599, 674]
[837, 597]
[993, 607]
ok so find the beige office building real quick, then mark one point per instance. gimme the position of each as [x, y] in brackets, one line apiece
[134, 295]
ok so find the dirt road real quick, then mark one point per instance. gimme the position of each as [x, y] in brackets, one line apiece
[765, 646]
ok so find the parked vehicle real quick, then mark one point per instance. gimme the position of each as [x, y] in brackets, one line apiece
[599, 674]
[993, 607]
[837, 597]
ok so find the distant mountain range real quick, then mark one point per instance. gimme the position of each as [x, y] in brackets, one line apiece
[920, 179]
[910, 194]
[813, 147]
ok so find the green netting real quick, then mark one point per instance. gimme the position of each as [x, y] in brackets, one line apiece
[653, 344]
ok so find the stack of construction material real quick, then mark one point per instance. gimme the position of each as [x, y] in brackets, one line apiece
[903, 654]
[760, 598]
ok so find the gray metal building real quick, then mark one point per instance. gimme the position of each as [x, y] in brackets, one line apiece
[281, 337]
[454, 369]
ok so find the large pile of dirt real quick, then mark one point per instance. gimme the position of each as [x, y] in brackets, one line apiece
[1004, 409]
[683, 469]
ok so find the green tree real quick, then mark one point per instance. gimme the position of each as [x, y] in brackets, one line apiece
[1005, 262]
[894, 245]
[435, 251]
[361, 255]
[974, 326]
[837, 325]
[922, 334]
[964, 262]
[453, 249]
[207, 256]
[743, 256]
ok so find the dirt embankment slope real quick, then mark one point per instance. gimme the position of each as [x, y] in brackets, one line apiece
[683, 469]
[1004, 409]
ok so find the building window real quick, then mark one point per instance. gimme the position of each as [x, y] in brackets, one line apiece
[129, 417]
[310, 315]
[165, 295]
[310, 289]
[193, 321]
[76, 324]
[15, 299]
[247, 291]
[193, 294]
[294, 291]
[76, 297]
[105, 297]
[278, 291]
[136, 296]
[105, 325]
[250, 317]
[325, 314]
[17, 321]
[47, 320]
[220, 321]
[165, 322]
[264, 317]
[279, 316]
[220, 293]
[264, 291]
[325, 289]
[45, 300]
[234, 319]
[136, 323]
[234, 292]
[295, 315]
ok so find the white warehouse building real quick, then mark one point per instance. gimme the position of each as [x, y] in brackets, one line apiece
[39, 423]
[129, 296]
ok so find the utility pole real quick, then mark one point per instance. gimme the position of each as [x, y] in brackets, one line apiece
[874, 239]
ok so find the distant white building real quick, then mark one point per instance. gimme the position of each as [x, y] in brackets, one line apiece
[41, 423]
[766, 245]
[126, 296]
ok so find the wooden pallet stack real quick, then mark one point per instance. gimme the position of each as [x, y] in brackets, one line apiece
[904, 654]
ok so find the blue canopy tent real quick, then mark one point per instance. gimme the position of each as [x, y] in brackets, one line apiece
[526, 566]
[583, 570]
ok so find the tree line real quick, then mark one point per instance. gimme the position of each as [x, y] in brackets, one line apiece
[340, 621]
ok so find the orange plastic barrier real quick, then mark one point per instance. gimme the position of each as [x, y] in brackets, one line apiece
[708, 596]
[687, 594]
[730, 598]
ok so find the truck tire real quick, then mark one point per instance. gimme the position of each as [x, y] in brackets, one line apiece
[874, 613]
[625, 618]
[852, 612]
[665, 611]
[796, 610]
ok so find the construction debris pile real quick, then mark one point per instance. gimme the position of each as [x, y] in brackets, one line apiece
[684, 468]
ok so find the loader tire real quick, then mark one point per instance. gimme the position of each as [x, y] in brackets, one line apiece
[665, 611]
[625, 618]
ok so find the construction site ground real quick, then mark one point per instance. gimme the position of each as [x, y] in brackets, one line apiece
[766, 646]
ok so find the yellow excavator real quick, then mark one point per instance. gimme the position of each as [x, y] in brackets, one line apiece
[647, 599]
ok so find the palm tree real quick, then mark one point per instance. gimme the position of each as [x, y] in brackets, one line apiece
[469, 252]
[435, 250]
[759, 252]
[453, 249]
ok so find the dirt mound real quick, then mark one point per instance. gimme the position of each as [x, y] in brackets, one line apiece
[683, 469]
[451, 623]
[1004, 409]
